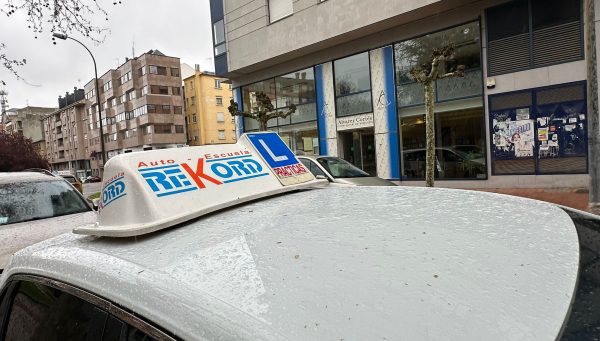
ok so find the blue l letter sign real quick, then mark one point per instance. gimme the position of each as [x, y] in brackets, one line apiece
[273, 150]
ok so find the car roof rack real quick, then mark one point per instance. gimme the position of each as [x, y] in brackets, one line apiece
[39, 170]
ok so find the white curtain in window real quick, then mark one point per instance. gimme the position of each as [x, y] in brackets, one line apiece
[279, 9]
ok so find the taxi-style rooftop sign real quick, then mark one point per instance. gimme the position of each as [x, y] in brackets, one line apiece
[152, 190]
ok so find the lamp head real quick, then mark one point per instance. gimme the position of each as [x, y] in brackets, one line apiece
[59, 35]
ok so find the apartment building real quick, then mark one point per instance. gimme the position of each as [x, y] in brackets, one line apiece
[28, 122]
[518, 117]
[65, 132]
[207, 119]
[142, 108]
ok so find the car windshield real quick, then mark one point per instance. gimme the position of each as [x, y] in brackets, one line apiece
[340, 168]
[21, 202]
[70, 179]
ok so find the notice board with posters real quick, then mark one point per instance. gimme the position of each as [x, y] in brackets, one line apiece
[539, 131]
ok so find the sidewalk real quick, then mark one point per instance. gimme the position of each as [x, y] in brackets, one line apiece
[572, 197]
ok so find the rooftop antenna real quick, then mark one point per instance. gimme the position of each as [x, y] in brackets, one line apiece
[133, 47]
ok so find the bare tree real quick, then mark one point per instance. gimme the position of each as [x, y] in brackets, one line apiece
[262, 112]
[64, 16]
[426, 74]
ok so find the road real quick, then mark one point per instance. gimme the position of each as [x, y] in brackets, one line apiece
[91, 188]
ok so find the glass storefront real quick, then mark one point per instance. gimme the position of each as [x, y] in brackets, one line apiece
[459, 118]
[539, 131]
[353, 85]
[299, 130]
[459, 145]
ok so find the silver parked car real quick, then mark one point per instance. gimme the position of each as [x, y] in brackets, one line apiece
[35, 206]
[340, 172]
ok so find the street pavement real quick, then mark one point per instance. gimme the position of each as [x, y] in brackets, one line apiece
[91, 188]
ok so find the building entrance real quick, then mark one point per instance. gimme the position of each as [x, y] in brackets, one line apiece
[358, 147]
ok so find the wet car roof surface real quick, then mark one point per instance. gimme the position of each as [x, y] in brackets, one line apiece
[18, 177]
[416, 264]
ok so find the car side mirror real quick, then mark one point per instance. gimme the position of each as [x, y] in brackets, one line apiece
[94, 204]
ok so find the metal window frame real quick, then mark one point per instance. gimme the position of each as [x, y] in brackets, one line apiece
[99, 302]
[533, 112]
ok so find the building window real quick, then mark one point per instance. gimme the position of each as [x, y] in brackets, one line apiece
[131, 95]
[217, 83]
[159, 90]
[165, 109]
[177, 110]
[126, 78]
[219, 37]
[219, 100]
[178, 129]
[539, 33]
[220, 117]
[107, 86]
[158, 70]
[175, 72]
[299, 130]
[147, 130]
[221, 134]
[176, 91]
[279, 9]
[353, 85]
[414, 52]
[162, 129]
[459, 120]
[144, 90]
[539, 131]
[194, 118]
[142, 71]
[192, 100]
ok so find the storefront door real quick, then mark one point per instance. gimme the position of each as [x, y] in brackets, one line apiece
[358, 147]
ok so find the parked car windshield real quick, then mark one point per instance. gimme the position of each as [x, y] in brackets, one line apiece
[27, 201]
[340, 168]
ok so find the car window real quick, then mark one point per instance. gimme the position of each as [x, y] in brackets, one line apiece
[117, 330]
[314, 169]
[38, 312]
[38, 200]
[340, 168]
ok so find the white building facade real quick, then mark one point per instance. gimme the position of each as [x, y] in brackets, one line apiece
[517, 119]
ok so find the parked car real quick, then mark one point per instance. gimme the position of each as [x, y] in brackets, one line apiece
[240, 242]
[92, 179]
[74, 181]
[450, 163]
[340, 172]
[35, 206]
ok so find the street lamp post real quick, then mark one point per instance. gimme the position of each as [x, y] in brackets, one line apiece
[64, 37]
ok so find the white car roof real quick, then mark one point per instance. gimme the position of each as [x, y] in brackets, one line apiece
[19, 177]
[338, 263]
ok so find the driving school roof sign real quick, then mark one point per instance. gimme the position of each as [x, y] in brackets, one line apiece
[280, 159]
[162, 188]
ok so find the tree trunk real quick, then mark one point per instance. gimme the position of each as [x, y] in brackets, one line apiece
[262, 125]
[430, 163]
[592, 107]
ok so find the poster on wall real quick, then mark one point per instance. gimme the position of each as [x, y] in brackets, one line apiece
[521, 134]
[512, 138]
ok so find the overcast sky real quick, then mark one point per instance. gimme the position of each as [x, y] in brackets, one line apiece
[177, 28]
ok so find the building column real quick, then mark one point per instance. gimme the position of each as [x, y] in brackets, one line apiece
[326, 109]
[384, 112]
